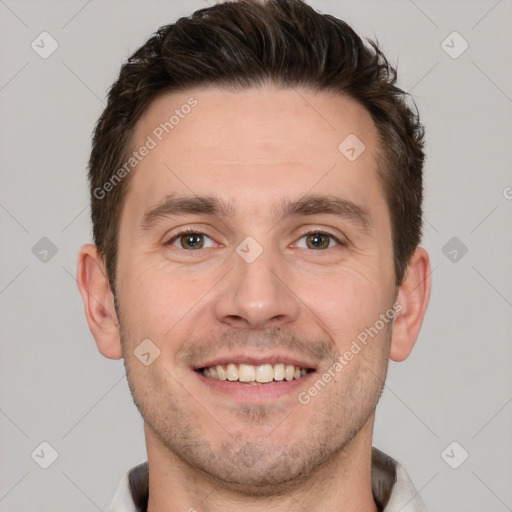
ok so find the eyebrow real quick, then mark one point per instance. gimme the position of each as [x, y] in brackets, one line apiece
[307, 205]
[173, 205]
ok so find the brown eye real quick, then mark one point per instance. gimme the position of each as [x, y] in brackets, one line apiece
[318, 241]
[190, 240]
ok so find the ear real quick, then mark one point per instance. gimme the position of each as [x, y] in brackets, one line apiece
[98, 301]
[413, 297]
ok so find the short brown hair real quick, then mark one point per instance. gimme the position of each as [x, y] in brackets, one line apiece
[247, 43]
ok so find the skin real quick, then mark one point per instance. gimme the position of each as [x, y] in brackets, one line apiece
[210, 450]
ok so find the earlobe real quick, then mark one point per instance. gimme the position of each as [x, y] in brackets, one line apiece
[98, 300]
[413, 297]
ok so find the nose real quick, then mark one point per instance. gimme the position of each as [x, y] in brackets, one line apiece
[257, 294]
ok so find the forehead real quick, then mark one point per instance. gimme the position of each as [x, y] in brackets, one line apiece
[266, 141]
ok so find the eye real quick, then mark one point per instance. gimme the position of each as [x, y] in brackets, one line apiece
[318, 240]
[189, 239]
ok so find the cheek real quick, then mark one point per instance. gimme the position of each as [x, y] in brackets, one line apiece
[346, 303]
[156, 300]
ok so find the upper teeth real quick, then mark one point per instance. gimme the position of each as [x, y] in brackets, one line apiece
[249, 373]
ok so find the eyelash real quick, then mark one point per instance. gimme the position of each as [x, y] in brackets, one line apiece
[196, 232]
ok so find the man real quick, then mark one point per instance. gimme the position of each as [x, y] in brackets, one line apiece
[256, 188]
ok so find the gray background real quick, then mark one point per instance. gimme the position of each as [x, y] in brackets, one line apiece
[56, 387]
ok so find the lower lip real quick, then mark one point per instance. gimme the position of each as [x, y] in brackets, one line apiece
[254, 392]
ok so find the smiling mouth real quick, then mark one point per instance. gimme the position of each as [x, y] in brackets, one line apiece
[250, 374]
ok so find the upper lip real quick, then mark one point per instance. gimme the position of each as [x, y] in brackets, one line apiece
[260, 359]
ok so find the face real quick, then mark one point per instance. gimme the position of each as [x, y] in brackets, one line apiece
[254, 253]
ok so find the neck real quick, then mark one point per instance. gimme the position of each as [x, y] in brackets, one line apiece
[343, 484]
